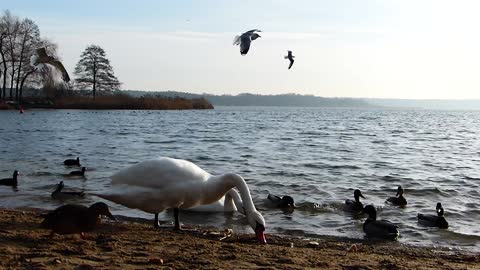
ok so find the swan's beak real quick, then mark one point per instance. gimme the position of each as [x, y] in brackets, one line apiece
[260, 235]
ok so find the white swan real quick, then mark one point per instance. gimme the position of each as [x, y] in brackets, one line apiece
[155, 185]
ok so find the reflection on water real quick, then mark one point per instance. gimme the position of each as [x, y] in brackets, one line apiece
[318, 156]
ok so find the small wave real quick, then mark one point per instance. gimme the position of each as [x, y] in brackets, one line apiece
[203, 158]
[284, 173]
[215, 140]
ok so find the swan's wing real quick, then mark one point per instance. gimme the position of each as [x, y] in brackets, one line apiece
[42, 52]
[61, 68]
[236, 40]
[161, 173]
[291, 63]
[244, 44]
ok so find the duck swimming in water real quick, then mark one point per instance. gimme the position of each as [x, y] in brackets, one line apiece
[73, 219]
[10, 181]
[354, 206]
[378, 228]
[78, 173]
[72, 162]
[398, 199]
[434, 220]
[283, 202]
[58, 194]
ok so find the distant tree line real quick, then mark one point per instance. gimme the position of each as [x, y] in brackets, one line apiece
[282, 100]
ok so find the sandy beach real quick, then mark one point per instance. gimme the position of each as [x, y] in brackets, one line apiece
[134, 245]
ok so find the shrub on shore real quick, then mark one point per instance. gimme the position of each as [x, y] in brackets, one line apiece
[119, 102]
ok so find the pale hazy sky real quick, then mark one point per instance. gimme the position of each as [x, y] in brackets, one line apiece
[355, 48]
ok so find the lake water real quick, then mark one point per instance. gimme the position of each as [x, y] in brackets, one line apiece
[318, 156]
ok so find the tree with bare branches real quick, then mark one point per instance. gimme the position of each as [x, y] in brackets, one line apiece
[94, 70]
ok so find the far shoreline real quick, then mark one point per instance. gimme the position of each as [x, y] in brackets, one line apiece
[111, 102]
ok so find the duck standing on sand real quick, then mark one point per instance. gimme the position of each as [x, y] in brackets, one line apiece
[378, 228]
[437, 220]
[72, 162]
[398, 199]
[73, 219]
[283, 202]
[354, 206]
[12, 182]
[159, 184]
[78, 173]
[58, 194]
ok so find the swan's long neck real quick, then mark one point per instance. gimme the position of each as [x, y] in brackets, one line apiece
[233, 198]
[220, 185]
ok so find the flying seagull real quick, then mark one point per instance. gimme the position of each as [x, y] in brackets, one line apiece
[290, 57]
[245, 39]
[42, 57]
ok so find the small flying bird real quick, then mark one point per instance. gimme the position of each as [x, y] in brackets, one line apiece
[245, 39]
[41, 57]
[290, 57]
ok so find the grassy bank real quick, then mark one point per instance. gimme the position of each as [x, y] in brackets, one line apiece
[113, 102]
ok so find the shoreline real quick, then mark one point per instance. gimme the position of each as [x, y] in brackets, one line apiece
[119, 245]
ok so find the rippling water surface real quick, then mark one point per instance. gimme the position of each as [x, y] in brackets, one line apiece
[318, 156]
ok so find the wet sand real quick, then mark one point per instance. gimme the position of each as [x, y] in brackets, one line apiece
[133, 245]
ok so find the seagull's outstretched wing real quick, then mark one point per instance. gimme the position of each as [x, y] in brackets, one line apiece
[244, 44]
[236, 40]
[253, 31]
[61, 68]
[291, 62]
[255, 36]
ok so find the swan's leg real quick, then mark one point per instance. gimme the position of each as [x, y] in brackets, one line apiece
[155, 223]
[177, 222]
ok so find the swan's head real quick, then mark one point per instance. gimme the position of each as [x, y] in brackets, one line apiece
[256, 221]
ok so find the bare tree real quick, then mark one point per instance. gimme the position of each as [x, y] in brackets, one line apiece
[12, 26]
[19, 39]
[29, 40]
[94, 70]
